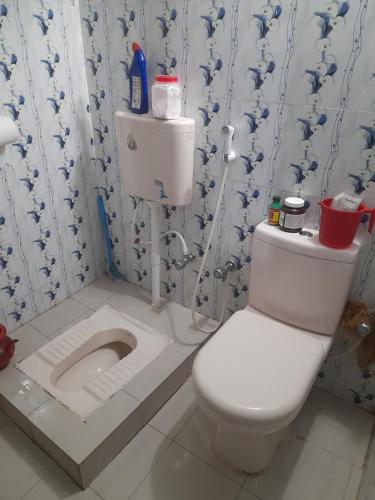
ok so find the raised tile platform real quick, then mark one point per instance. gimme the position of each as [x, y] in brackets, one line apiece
[84, 449]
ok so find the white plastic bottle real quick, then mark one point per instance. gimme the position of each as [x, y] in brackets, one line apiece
[166, 97]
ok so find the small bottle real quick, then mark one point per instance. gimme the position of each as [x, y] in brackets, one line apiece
[274, 211]
[292, 215]
[138, 81]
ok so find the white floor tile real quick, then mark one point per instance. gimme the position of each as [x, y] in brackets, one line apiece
[336, 426]
[57, 317]
[353, 484]
[370, 458]
[62, 426]
[174, 414]
[154, 374]
[97, 292]
[367, 489]
[176, 322]
[74, 322]
[22, 463]
[301, 470]
[197, 437]
[133, 300]
[123, 476]
[56, 485]
[180, 476]
[3, 419]
[246, 495]
[29, 340]
[20, 391]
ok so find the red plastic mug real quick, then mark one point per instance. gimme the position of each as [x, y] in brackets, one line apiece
[338, 227]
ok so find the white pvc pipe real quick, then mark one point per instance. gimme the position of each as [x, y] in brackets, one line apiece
[155, 253]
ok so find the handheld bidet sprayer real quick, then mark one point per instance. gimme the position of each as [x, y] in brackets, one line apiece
[229, 155]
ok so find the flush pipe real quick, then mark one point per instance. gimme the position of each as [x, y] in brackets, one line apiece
[155, 253]
[228, 157]
[155, 249]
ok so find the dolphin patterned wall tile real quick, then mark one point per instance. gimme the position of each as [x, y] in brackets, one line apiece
[305, 142]
[263, 49]
[255, 123]
[355, 165]
[108, 29]
[291, 76]
[209, 50]
[362, 82]
[163, 27]
[48, 232]
[323, 59]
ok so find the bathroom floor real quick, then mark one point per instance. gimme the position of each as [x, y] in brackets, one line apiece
[171, 459]
[326, 455]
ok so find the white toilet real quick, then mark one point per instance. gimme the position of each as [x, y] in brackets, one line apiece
[254, 375]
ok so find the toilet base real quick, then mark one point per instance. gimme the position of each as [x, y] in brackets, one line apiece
[244, 451]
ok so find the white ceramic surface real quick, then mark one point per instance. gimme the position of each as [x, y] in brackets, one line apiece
[156, 157]
[226, 372]
[91, 361]
[253, 376]
[298, 280]
[296, 473]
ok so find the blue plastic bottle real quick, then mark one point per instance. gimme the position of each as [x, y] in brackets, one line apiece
[138, 81]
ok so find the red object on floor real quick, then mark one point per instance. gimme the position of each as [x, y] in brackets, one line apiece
[338, 227]
[6, 348]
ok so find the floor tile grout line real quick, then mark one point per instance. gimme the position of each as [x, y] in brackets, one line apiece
[348, 483]
[152, 467]
[100, 304]
[364, 469]
[192, 454]
[66, 326]
[241, 485]
[48, 468]
[313, 443]
[198, 457]
[247, 491]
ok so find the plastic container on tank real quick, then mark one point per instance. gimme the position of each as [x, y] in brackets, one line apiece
[166, 97]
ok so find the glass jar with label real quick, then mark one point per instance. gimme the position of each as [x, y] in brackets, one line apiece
[292, 215]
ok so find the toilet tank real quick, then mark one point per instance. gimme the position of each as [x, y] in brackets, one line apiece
[296, 279]
[156, 157]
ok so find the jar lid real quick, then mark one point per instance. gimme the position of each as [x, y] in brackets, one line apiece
[294, 202]
[166, 78]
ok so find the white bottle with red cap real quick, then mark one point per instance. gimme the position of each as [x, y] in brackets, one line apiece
[166, 97]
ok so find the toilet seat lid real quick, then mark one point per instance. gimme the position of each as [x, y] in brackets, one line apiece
[257, 369]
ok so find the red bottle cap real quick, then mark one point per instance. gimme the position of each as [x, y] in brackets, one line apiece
[166, 78]
[135, 46]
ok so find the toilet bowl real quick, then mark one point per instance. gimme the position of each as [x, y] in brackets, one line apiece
[253, 376]
[88, 363]
[252, 379]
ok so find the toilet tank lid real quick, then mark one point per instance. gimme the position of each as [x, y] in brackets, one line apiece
[147, 124]
[305, 244]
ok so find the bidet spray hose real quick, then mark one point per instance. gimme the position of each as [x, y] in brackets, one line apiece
[203, 262]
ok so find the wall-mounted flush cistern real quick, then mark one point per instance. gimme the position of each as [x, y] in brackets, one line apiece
[156, 165]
